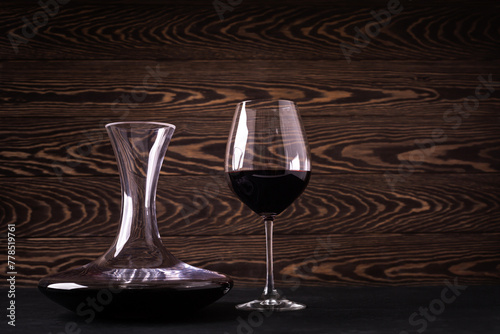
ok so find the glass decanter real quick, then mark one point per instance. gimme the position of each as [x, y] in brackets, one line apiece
[137, 276]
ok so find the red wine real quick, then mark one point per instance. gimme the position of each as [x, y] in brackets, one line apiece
[268, 192]
[136, 303]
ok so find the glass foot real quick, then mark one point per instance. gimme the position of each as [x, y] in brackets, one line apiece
[278, 305]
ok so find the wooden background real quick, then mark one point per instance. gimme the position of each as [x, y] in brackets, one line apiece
[388, 114]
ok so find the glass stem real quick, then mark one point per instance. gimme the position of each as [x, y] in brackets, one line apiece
[269, 291]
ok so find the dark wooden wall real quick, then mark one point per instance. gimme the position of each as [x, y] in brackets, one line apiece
[405, 186]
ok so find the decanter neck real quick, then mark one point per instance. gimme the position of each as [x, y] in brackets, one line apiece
[139, 148]
[138, 212]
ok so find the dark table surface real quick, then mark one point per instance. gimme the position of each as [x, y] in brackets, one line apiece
[475, 309]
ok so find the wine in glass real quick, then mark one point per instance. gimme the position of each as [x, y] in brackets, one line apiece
[268, 166]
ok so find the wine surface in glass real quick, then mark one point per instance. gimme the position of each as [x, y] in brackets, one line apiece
[268, 192]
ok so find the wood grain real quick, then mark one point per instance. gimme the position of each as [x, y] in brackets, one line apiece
[79, 146]
[200, 205]
[390, 110]
[325, 260]
[253, 32]
[107, 89]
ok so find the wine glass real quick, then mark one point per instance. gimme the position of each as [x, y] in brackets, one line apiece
[268, 166]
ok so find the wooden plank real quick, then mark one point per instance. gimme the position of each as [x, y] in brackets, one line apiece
[324, 260]
[273, 32]
[79, 146]
[118, 89]
[204, 205]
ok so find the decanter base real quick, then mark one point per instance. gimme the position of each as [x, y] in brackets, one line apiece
[93, 290]
[136, 303]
